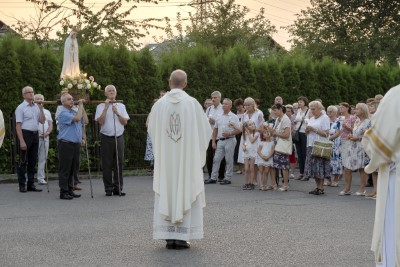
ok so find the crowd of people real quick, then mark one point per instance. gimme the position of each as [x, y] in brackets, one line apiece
[265, 147]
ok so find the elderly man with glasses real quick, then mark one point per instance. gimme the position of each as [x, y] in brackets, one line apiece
[27, 116]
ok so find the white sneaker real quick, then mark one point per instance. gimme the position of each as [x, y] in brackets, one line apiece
[291, 176]
[42, 181]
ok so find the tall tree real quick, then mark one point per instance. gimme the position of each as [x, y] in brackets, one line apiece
[229, 24]
[351, 31]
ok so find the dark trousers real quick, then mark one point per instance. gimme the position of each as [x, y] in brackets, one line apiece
[28, 158]
[301, 148]
[112, 181]
[210, 159]
[68, 165]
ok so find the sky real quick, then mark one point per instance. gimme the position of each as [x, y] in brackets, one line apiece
[279, 12]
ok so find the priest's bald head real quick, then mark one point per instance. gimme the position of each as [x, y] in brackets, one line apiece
[178, 79]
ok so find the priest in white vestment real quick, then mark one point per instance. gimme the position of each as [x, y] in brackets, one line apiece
[180, 133]
[382, 144]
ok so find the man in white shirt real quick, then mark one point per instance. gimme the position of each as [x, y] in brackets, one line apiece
[213, 112]
[225, 129]
[180, 134]
[44, 131]
[112, 117]
[27, 116]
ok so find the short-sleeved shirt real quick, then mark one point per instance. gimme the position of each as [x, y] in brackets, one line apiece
[322, 123]
[222, 123]
[108, 126]
[28, 115]
[43, 127]
[69, 130]
[282, 123]
[214, 112]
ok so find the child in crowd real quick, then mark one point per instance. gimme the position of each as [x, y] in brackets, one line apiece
[265, 161]
[250, 143]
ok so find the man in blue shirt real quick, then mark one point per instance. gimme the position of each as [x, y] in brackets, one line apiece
[70, 140]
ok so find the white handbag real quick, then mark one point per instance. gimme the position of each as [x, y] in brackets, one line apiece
[284, 146]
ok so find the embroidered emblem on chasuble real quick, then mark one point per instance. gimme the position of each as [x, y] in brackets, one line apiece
[175, 131]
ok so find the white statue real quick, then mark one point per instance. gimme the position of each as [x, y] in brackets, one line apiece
[71, 56]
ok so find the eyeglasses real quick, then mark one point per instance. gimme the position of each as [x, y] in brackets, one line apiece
[30, 92]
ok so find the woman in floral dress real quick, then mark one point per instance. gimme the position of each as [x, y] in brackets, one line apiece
[334, 136]
[355, 158]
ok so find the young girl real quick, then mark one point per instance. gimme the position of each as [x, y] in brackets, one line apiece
[265, 161]
[250, 144]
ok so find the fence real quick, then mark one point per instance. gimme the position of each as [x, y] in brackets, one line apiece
[135, 145]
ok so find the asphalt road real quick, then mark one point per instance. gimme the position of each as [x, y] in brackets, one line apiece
[242, 228]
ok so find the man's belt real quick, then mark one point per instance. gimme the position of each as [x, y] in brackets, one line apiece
[31, 132]
[222, 139]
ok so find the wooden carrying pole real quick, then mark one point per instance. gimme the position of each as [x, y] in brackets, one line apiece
[86, 102]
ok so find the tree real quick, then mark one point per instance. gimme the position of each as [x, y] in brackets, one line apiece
[351, 31]
[229, 24]
[109, 25]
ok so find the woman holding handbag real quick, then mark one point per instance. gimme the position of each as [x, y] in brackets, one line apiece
[301, 118]
[282, 133]
[317, 130]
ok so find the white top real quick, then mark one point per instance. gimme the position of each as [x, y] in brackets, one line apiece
[43, 127]
[251, 148]
[108, 126]
[214, 112]
[28, 115]
[257, 117]
[299, 117]
[321, 124]
[266, 148]
[223, 121]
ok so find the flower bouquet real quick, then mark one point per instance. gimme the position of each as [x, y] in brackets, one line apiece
[79, 86]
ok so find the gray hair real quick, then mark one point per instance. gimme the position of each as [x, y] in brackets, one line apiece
[64, 96]
[216, 93]
[178, 78]
[109, 86]
[316, 104]
[333, 108]
[26, 88]
[38, 95]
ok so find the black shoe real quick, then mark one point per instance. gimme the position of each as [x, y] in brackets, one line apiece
[108, 193]
[72, 194]
[22, 189]
[314, 191]
[65, 196]
[304, 179]
[170, 244]
[180, 244]
[224, 182]
[116, 193]
[210, 181]
[32, 188]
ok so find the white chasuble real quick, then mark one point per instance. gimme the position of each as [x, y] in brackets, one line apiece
[382, 144]
[180, 134]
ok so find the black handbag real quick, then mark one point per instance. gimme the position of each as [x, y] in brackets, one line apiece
[296, 135]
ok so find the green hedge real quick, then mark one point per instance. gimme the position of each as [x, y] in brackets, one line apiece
[139, 78]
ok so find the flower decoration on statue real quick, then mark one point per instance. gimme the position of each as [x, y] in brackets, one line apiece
[79, 84]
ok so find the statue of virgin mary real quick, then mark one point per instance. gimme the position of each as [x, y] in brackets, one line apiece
[71, 56]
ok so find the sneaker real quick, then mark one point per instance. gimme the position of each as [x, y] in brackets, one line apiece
[335, 184]
[224, 182]
[251, 187]
[359, 193]
[239, 172]
[42, 181]
[344, 193]
[370, 195]
[245, 187]
[291, 176]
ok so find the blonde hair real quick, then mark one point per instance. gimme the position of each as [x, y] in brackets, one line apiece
[364, 110]
[316, 104]
[250, 101]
